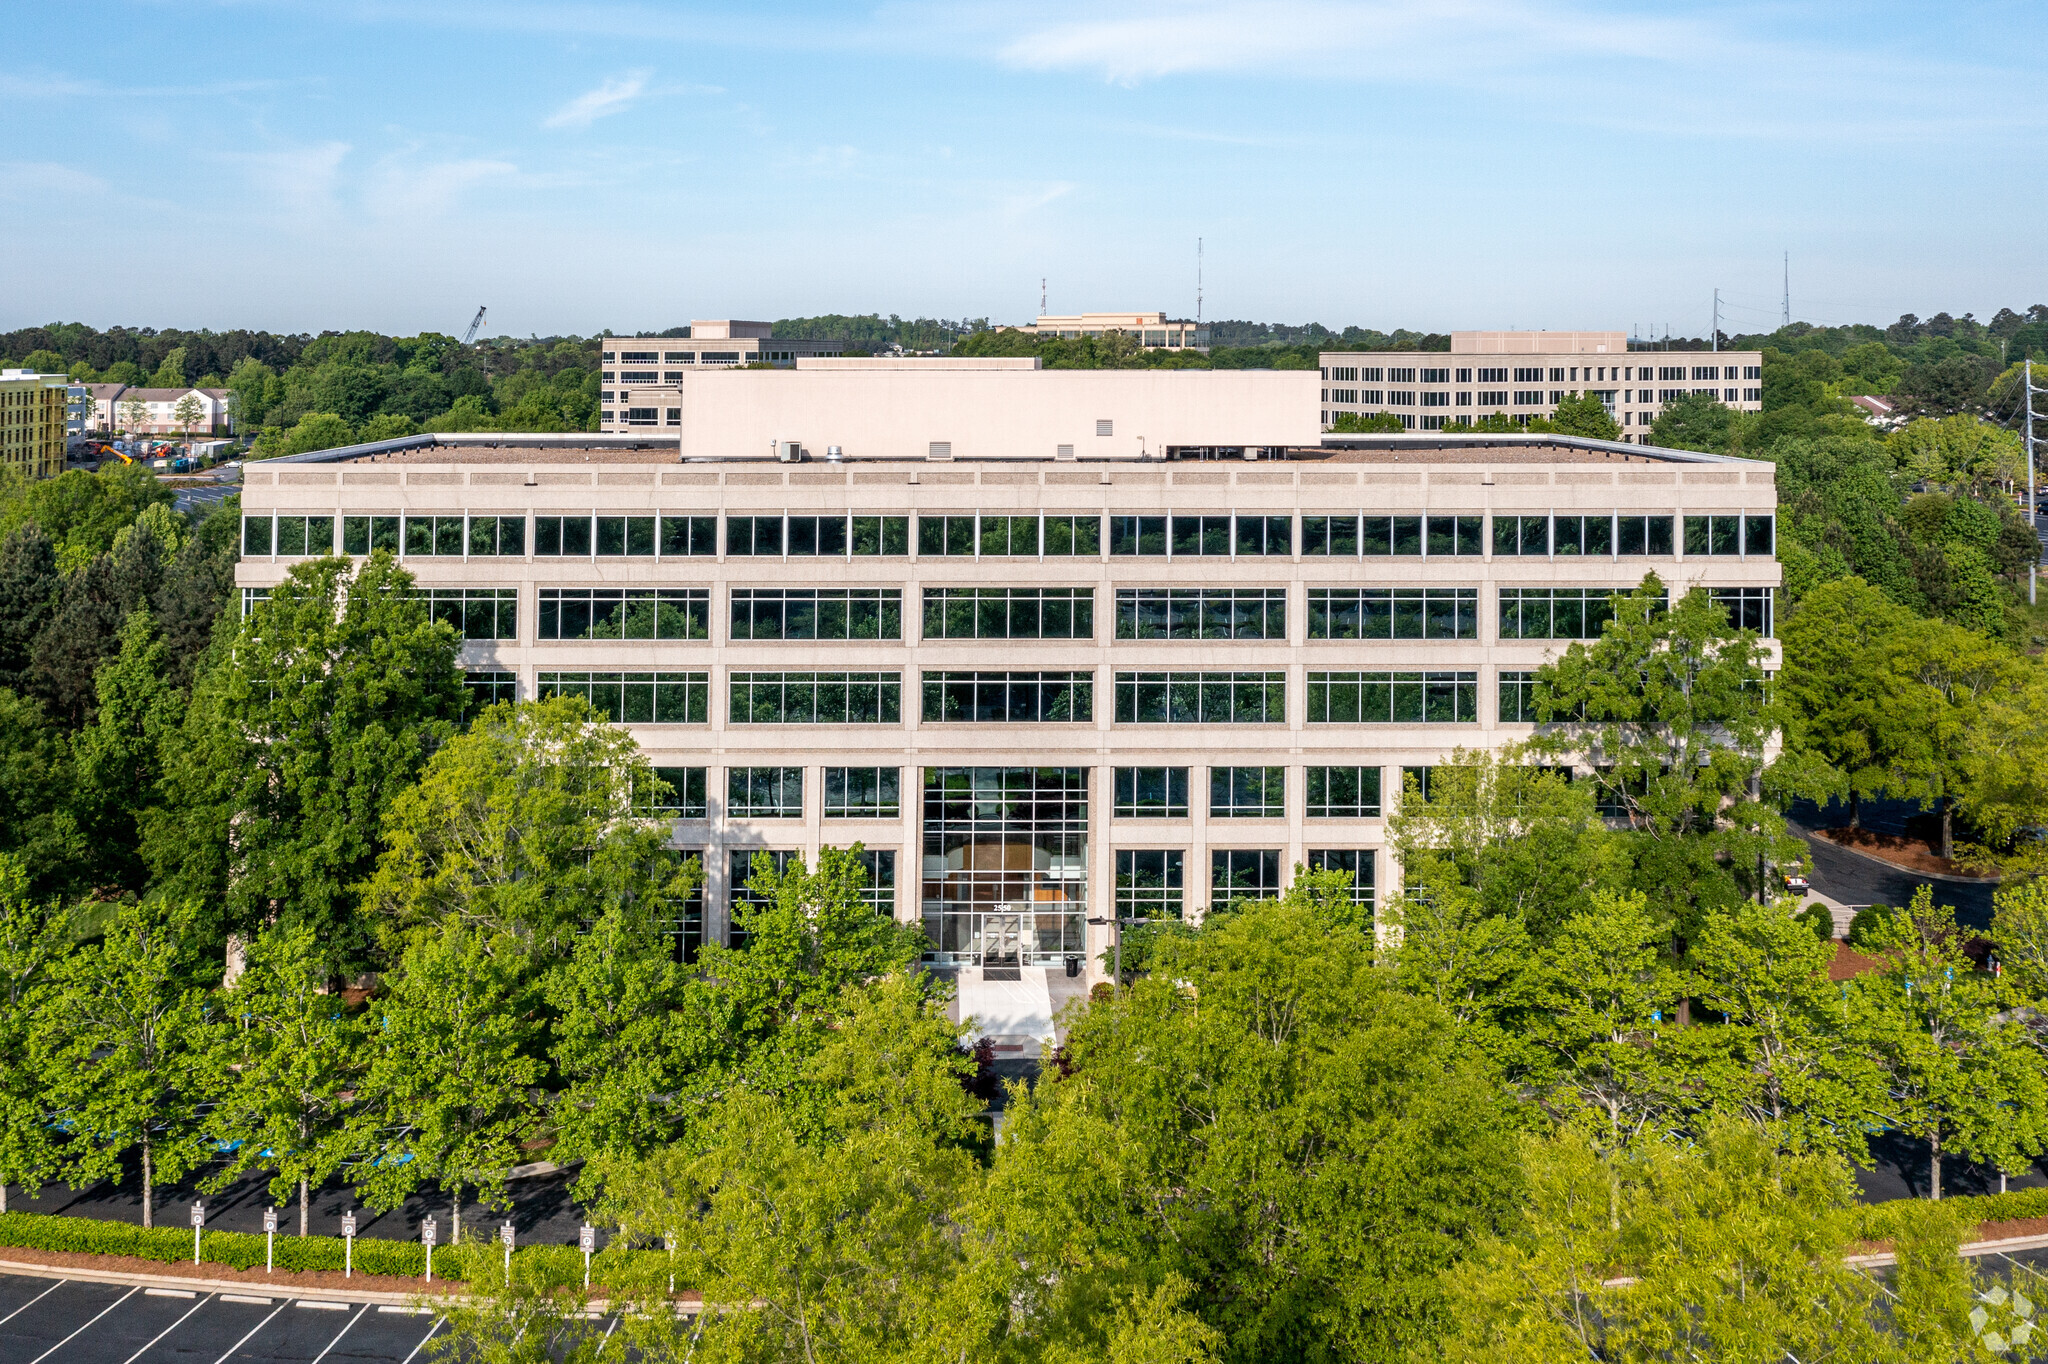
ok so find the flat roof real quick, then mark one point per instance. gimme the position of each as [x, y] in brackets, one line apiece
[501, 447]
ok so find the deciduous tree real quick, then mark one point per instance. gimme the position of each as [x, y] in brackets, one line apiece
[33, 940]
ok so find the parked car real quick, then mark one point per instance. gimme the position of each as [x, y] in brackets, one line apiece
[1795, 883]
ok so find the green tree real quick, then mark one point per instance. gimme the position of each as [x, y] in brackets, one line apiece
[1671, 712]
[1940, 680]
[524, 825]
[1365, 423]
[2004, 792]
[296, 1060]
[1479, 967]
[2019, 935]
[171, 373]
[1959, 452]
[325, 704]
[1961, 1073]
[1836, 685]
[33, 939]
[1583, 414]
[1697, 421]
[29, 584]
[188, 412]
[1269, 1117]
[122, 1047]
[1780, 1035]
[451, 1068]
[119, 772]
[37, 783]
[316, 431]
[1726, 1249]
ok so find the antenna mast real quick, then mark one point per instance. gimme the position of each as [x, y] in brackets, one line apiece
[1198, 280]
[1041, 295]
[1717, 320]
[1787, 319]
[2033, 495]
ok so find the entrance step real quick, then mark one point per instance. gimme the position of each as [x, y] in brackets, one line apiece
[1002, 973]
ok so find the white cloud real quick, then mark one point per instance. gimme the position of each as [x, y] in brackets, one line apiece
[430, 190]
[614, 96]
[28, 180]
[293, 181]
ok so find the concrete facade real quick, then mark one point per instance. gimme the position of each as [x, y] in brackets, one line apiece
[1029, 728]
[1153, 331]
[1526, 374]
[641, 375]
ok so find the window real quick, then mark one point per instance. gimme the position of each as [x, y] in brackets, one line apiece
[1400, 397]
[1358, 862]
[1526, 375]
[624, 613]
[639, 376]
[1243, 874]
[946, 535]
[1706, 372]
[1518, 698]
[1529, 397]
[684, 536]
[813, 698]
[1436, 399]
[1051, 697]
[1201, 535]
[251, 596]
[1393, 613]
[1748, 608]
[1186, 613]
[1492, 376]
[1455, 535]
[678, 794]
[1344, 374]
[1148, 883]
[1392, 536]
[1261, 535]
[1717, 535]
[1464, 376]
[1646, 535]
[1210, 698]
[1752, 372]
[814, 613]
[1151, 793]
[1343, 793]
[1378, 698]
[1417, 780]
[1009, 535]
[1009, 613]
[362, 534]
[1139, 535]
[1008, 842]
[879, 891]
[434, 535]
[1248, 792]
[863, 792]
[625, 536]
[741, 899]
[1493, 397]
[1521, 535]
[1435, 376]
[1582, 535]
[566, 536]
[1400, 376]
[1372, 374]
[1752, 395]
[643, 416]
[636, 357]
[490, 688]
[1067, 534]
[1555, 612]
[476, 612]
[1556, 377]
[496, 535]
[764, 793]
[636, 698]
[296, 535]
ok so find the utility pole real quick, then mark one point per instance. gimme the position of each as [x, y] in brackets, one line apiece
[1198, 281]
[1717, 319]
[1041, 295]
[2033, 495]
[1787, 315]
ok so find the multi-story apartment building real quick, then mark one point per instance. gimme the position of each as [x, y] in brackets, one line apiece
[642, 375]
[154, 411]
[34, 414]
[1056, 647]
[1527, 374]
[1153, 331]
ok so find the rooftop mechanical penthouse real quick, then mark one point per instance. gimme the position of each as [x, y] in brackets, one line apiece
[1054, 646]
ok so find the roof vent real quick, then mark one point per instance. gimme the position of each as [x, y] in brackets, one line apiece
[1063, 452]
[939, 449]
[834, 455]
[1105, 427]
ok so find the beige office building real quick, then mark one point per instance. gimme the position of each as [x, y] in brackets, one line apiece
[1527, 374]
[641, 375]
[35, 411]
[1153, 331]
[1056, 647]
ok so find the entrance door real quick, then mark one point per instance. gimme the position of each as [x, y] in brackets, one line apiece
[1002, 933]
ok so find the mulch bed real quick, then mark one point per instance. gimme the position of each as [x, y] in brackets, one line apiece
[1909, 854]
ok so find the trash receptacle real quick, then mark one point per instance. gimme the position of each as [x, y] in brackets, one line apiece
[1073, 966]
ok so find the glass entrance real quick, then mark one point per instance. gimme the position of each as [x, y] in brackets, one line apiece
[1005, 880]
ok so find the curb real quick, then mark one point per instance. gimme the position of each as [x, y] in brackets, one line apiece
[1893, 866]
[1967, 1250]
[236, 1286]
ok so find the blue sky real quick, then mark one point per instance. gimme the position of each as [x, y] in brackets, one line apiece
[1473, 163]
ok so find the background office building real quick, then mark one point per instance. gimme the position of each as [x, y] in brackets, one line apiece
[1047, 672]
[1527, 374]
[641, 375]
[36, 412]
[1153, 331]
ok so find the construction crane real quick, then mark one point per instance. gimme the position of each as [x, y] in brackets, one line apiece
[474, 323]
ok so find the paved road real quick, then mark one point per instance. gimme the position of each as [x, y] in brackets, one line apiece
[1853, 879]
[67, 1321]
[203, 499]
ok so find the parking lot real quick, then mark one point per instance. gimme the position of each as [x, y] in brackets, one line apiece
[59, 1321]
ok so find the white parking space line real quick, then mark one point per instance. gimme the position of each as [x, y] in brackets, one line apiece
[342, 1332]
[407, 1311]
[252, 1331]
[33, 1301]
[167, 1330]
[607, 1335]
[168, 1293]
[96, 1316]
[423, 1340]
[253, 1302]
[319, 1306]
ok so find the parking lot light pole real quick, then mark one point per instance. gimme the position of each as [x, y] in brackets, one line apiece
[505, 1234]
[587, 1239]
[427, 1230]
[198, 1221]
[269, 1239]
[348, 1244]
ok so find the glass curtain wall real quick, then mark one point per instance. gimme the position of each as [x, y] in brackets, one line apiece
[1005, 880]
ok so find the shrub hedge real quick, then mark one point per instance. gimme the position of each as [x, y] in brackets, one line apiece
[1879, 1219]
[480, 1261]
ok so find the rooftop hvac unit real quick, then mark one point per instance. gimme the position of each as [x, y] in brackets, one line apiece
[789, 451]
